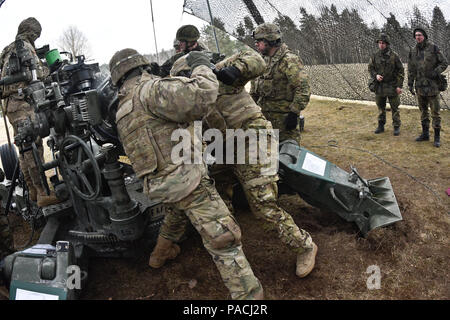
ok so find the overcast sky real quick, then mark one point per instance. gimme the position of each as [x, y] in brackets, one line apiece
[109, 25]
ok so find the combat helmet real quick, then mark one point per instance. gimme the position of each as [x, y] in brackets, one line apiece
[384, 37]
[422, 30]
[267, 31]
[180, 67]
[188, 33]
[123, 61]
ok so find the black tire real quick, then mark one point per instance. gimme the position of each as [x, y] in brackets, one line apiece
[9, 160]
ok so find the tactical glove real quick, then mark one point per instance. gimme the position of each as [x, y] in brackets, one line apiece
[291, 121]
[155, 68]
[196, 59]
[411, 89]
[228, 75]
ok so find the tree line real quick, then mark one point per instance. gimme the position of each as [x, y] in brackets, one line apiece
[336, 38]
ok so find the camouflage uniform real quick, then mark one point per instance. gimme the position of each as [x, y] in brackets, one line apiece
[387, 64]
[425, 64]
[17, 109]
[237, 110]
[150, 109]
[282, 88]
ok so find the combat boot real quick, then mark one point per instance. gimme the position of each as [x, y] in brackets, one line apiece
[306, 261]
[396, 131]
[44, 200]
[425, 136]
[380, 128]
[437, 138]
[164, 250]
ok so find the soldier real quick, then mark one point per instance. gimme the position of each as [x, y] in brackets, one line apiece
[283, 90]
[235, 109]
[387, 75]
[18, 110]
[425, 65]
[187, 37]
[149, 110]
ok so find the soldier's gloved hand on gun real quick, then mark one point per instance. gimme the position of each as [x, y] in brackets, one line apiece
[291, 121]
[196, 59]
[155, 68]
[228, 75]
[411, 89]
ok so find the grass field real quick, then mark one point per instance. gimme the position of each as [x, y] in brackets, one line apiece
[413, 255]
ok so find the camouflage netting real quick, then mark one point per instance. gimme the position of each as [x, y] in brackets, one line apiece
[335, 38]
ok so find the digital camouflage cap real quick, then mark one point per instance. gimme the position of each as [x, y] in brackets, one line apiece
[267, 31]
[188, 33]
[384, 37]
[124, 61]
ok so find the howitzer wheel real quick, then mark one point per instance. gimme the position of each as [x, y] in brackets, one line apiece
[42, 176]
[75, 154]
[9, 160]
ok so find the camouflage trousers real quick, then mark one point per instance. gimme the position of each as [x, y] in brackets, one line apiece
[261, 191]
[434, 104]
[6, 239]
[17, 111]
[277, 120]
[394, 101]
[220, 234]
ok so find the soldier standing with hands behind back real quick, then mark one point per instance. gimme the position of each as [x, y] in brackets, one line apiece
[387, 75]
[425, 65]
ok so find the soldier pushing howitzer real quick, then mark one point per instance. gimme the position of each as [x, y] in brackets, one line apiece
[235, 109]
[149, 110]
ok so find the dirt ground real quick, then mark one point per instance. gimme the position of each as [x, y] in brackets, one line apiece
[413, 255]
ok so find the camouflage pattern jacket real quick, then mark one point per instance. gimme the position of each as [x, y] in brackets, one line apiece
[284, 86]
[234, 104]
[150, 110]
[387, 64]
[425, 64]
[42, 71]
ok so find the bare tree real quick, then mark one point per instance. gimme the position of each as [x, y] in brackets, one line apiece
[75, 42]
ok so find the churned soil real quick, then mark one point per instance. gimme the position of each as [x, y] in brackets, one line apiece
[413, 255]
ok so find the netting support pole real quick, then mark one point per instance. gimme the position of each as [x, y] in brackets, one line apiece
[214, 28]
[254, 11]
[154, 31]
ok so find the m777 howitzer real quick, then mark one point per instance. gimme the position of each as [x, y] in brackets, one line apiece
[103, 210]
[368, 203]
